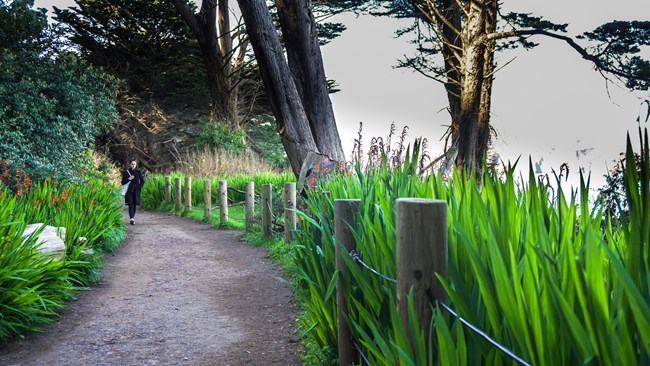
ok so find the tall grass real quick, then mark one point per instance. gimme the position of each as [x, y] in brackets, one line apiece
[219, 163]
[33, 285]
[539, 276]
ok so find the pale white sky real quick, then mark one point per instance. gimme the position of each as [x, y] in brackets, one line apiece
[547, 103]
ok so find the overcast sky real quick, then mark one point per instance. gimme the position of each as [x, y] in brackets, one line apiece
[548, 103]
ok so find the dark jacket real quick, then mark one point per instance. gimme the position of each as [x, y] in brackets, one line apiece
[136, 183]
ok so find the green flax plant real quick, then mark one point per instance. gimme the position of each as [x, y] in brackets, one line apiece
[377, 187]
[33, 285]
[538, 275]
[91, 210]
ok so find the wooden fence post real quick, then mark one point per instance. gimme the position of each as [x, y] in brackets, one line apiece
[223, 202]
[168, 189]
[207, 199]
[177, 182]
[421, 252]
[250, 203]
[267, 203]
[188, 193]
[289, 211]
[344, 218]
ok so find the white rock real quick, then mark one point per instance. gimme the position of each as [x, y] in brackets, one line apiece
[51, 239]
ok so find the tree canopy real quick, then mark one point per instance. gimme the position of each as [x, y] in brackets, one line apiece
[145, 43]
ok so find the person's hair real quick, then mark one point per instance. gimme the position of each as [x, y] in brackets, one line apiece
[132, 161]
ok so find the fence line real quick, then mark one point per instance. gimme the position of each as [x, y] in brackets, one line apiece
[184, 194]
[344, 219]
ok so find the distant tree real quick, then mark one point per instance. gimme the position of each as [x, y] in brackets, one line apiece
[223, 47]
[296, 86]
[145, 43]
[465, 35]
[52, 104]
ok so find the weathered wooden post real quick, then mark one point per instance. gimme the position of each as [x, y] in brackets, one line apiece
[289, 211]
[177, 182]
[344, 218]
[168, 189]
[421, 252]
[188, 193]
[267, 203]
[207, 199]
[223, 202]
[250, 203]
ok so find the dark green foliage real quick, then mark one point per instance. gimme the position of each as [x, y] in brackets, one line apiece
[22, 30]
[52, 106]
[263, 137]
[144, 42]
[618, 48]
[217, 135]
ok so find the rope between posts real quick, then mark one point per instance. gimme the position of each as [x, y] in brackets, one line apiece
[268, 205]
[236, 190]
[485, 336]
[357, 259]
[361, 353]
[355, 256]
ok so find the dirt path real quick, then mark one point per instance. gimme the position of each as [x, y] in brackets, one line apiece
[176, 292]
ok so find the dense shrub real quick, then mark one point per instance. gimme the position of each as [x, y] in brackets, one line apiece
[53, 103]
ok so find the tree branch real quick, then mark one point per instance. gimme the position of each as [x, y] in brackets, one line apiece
[583, 52]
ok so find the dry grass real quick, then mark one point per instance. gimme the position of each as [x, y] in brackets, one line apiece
[216, 163]
[103, 163]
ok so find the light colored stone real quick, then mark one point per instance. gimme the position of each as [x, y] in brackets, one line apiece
[51, 239]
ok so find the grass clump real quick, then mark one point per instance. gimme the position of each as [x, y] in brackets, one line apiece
[541, 276]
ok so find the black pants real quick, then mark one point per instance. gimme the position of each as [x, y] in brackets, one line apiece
[130, 200]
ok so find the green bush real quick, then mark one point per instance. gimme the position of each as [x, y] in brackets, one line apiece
[53, 103]
[263, 134]
[33, 286]
[217, 135]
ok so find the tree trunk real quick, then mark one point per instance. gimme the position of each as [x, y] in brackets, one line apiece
[211, 29]
[298, 95]
[290, 117]
[306, 65]
[469, 65]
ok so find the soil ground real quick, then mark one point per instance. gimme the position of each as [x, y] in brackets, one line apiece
[176, 292]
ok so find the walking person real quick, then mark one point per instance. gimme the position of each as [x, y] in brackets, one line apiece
[132, 195]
